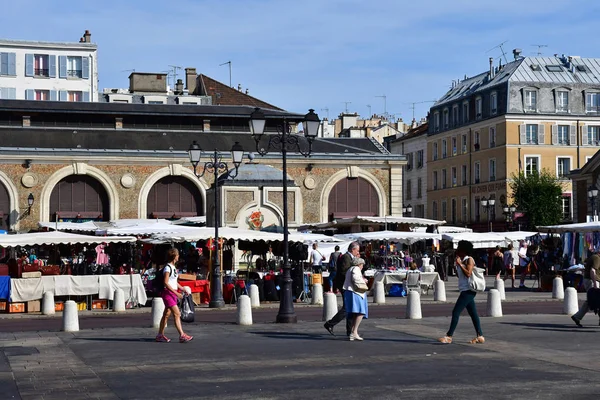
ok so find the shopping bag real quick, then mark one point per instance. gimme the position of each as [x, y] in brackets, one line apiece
[187, 308]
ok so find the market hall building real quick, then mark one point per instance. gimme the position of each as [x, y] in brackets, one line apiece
[77, 161]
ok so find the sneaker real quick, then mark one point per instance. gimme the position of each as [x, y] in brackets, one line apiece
[329, 328]
[577, 321]
[185, 338]
[162, 338]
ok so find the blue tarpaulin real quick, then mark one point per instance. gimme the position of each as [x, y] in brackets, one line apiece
[5, 287]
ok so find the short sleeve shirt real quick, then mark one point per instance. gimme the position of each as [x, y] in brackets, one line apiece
[172, 276]
[522, 254]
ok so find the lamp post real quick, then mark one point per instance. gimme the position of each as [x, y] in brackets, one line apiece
[407, 211]
[593, 195]
[488, 205]
[215, 165]
[283, 141]
[509, 212]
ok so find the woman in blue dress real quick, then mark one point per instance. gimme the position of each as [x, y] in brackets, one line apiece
[355, 289]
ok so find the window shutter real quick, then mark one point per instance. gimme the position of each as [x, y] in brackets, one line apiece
[28, 64]
[86, 96]
[522, 134]
[53, 95]
[12, 64]
[52, 66]
[584, 136]
[554, 134]
[573, 135]
[3, 63]
[63, 95]
[541, 134]
[85, 67]
[62, 66]
[29, 94]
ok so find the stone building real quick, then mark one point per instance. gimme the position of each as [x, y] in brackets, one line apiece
[105, 161]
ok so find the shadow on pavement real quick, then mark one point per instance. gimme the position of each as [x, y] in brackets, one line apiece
[320, 337]
[100, 339]
[552, 327]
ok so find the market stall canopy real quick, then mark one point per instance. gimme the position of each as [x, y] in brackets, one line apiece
[309, 238]
[446, 229]
[191, 220]
[394, 236]
[88, 226]
[49, 238]
[582, 227]
[487, 240]
[146, 228]
[204, 233]
[358, 220]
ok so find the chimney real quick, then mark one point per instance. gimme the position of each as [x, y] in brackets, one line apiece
[517, 53]
[491, 67]
[239, 87]
[190, 80]
[87, 37]
[179, 87]
[247, 91]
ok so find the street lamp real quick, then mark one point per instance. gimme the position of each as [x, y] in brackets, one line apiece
[406, 211]
[509, 212]
[283, 142]
[488, 205]
[593, 195]
[215, 165]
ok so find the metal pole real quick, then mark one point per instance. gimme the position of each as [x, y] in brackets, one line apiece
[216, 284]
[286, 306]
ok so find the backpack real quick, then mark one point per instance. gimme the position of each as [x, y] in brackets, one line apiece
[158, 283]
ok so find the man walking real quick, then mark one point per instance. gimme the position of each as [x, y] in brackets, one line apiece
[333, 259]
[343, 264]
[591, 276]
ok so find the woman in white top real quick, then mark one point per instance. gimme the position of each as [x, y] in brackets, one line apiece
[170, 295]
[464, 267]
[355, 297]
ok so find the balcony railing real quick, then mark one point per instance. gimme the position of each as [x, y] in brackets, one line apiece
[74, 73]
[42, 72]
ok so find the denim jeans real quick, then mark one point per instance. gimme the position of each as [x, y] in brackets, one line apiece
[332, 275]
[466, 299]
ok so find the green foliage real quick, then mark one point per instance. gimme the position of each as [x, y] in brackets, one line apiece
[538, 195]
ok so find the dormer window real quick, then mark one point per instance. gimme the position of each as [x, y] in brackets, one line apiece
[530, 100]
[494, 103]
[446, 118]
[455, 120]
[478, 108]
[436, 121]
[465, 112]
[592, 102]
[562, 101]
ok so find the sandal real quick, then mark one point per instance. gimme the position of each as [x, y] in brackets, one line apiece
[445, 339]
[478, 339]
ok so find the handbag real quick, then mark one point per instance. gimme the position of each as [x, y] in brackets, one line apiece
[477, 280]
[359, 287]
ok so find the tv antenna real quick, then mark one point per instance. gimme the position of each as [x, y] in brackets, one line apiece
[500, 46]
[346, 103]
[128, 70]
[225, 63]
[326, 110]
[369, 107]
[384, 104]
[174, 69]
[412, 105]
[539, 46]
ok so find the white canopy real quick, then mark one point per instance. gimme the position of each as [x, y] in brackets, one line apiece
[395, 236]
[358, 220]
[487, 240]
[147, 228]
[39, 238]
[579, 227]
[192, 234]
[309, 238]
[446, 229]
[88, 226]
[191, 220]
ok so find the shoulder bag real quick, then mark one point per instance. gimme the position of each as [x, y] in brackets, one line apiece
[358, 286]
[477, 280]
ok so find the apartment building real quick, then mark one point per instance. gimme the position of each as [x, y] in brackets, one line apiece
[56, 71]
[531, 114]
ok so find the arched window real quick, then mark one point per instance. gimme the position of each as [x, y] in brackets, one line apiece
[351, 197]
[174, 197]
[79, 197]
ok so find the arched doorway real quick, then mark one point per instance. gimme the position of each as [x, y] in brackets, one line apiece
[79, 197]
[4, 208]
[351, 197]
[174, 197]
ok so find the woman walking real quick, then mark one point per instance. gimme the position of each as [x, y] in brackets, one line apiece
[170, 295]
[355, 289]
[464, 267]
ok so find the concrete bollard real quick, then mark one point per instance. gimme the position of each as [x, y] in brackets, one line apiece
[413, 305]
[317, 294]
[499, 285]
[158, 309]
[254, 296]
[48, 307]
[571, 303]
[330, 307]
[378, 293]
[494, 303]
[70, 322]
[244, 310]
[558, 290]
[119, 301]
[439, 291]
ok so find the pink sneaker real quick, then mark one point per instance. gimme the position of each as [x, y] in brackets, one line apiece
[162, 338]
[185, 338]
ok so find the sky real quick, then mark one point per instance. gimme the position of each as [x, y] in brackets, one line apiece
[328, 55]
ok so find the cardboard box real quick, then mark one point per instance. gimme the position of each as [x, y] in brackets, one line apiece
[187, 277]
[34, 274]
[34, 306]
[196, 298]
[16, 307]
[99, 304]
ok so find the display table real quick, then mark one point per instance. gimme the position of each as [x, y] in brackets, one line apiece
[389, 278]
[199, 286]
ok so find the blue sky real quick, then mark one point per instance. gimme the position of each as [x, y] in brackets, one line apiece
[313, 53]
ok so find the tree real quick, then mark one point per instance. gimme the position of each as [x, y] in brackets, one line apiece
[538, 195]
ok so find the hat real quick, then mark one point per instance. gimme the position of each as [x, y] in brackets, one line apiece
[357, 261]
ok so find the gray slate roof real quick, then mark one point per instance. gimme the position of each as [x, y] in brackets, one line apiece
[256, 174]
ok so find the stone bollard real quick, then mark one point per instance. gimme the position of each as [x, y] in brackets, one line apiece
[571, 303]
[48, 307]
[558, 290]
[494, 303]
[330, 307]
[254, 296]
[317, 294]
[70, 317]
[439, 291]
[119, 301]
[413, 305]
[378, 293]
[244, 311]
[499, 285]
[158, 309]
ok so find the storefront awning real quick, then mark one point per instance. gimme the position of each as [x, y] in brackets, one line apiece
[49, 238]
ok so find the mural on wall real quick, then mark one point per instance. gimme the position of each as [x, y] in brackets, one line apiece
[255, 220]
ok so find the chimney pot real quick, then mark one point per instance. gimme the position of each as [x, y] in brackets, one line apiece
[239, 87]
[517, 53]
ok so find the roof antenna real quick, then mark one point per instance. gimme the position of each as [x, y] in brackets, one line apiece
[539, 46]
[346, 103]
[228, 62]
[327, 111]
[501, 49]
[385, 114]
[174, 69]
